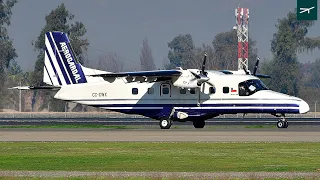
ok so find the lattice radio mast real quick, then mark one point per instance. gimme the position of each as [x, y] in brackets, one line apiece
[242, 18]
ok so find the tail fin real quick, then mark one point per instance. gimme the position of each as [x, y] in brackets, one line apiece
[60, 66]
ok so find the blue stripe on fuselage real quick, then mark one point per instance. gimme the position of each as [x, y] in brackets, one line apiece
[195, 105]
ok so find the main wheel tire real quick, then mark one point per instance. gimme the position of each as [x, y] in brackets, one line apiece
[165, 123]
[286, 124]
[199, 124]
[282, 124]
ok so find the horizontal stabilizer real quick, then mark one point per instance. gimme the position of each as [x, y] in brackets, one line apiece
[141, 73]
[36, 87]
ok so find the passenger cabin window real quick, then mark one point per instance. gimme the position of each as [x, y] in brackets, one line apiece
[250, 87]
[212, 90]
[183, 91]
[150, 90]
[225, 90]
[165, 90]
[192, 91]
[134, 91]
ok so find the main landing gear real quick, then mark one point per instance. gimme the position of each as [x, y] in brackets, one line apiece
[166, 123]
[199, 123]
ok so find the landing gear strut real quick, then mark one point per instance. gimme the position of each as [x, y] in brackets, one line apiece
[283, 123]
[165, 123]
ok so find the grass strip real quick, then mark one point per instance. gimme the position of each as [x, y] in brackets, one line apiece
[160, 157]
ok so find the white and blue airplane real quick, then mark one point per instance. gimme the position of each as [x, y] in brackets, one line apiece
[165, 95]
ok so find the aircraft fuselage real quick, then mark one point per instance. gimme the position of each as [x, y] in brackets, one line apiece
[162, 100]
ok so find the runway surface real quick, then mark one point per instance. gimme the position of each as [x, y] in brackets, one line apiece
[146, 121]
[293, 134]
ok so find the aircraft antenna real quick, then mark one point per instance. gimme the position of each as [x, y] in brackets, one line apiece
[242, 27]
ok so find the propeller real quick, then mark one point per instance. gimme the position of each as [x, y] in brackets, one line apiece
[204, 64]
[202, 77]
[256, 66]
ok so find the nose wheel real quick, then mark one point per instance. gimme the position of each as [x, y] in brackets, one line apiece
[165, 123]
[282, 123]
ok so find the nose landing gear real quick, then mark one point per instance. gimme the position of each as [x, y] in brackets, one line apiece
[282, 123]
[165, 123]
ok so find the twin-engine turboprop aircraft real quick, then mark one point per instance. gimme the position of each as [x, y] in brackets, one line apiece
[165, 95]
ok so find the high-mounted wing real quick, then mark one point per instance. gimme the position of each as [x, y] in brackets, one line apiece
[159, 73]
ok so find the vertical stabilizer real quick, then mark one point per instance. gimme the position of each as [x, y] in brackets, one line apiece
[60, 64]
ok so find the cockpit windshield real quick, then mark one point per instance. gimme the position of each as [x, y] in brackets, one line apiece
[249, 87]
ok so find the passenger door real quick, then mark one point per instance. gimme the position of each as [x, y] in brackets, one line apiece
[165, 90]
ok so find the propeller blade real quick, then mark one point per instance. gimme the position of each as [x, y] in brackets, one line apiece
[195, 75]
[199, 94]
[210, 84]
[204, 63]
[193, 79]
[245, 70]
[256, 66]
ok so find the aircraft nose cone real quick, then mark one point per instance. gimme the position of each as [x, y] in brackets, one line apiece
[304, 107]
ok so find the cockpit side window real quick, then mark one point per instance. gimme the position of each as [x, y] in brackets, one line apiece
[249, 87]
[243, 90]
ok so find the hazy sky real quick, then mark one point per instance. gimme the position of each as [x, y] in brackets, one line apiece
[121, 25]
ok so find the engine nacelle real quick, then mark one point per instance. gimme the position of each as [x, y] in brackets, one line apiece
[186, 83]
[191, 78]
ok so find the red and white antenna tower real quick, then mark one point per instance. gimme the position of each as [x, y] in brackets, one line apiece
[242, 17]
